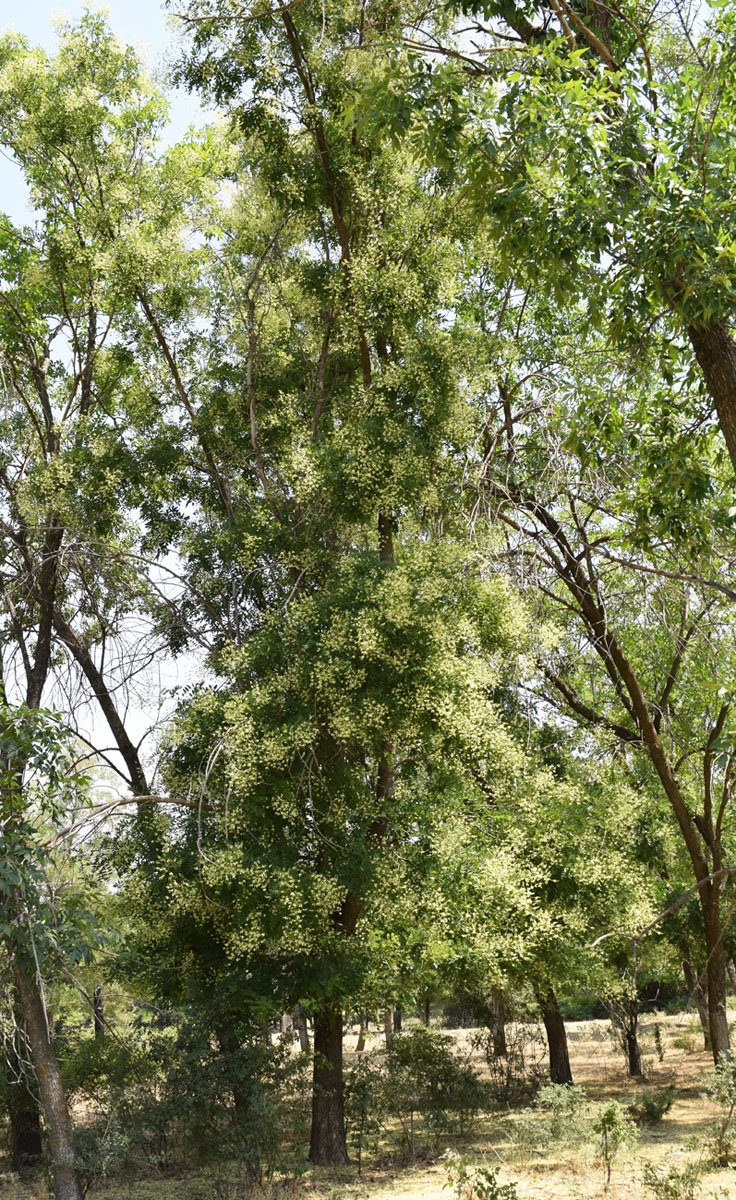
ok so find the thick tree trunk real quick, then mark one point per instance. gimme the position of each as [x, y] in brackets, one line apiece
[559, 1057]
[498, 1028]
[327, 1145]
[715, 971]
[699, 996]
[67, 1185]
[715, 351]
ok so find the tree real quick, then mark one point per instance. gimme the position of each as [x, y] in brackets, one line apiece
[598, 144]
[644, 639]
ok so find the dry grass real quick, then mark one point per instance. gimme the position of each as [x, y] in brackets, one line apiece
[557, 1173]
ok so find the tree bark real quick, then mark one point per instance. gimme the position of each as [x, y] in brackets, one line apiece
[715, 971]
[67, 1185]
[300, 1024]
[327, 1146]
[698, 994]
[715, 351]
[498, 1028]
[98, 1012]
[388, 1027]
[559, 1057]
[731, 972]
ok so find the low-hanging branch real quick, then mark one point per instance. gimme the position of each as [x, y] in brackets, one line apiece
[100, 810]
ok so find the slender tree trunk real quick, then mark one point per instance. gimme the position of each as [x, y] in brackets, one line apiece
[398, 1020]
[559, 1057]
[360, 1044]
[498, 1029]
[633, 1052]
[300, 1024]
[328, 1146]
[388, 1027]
[67, 1185]
[715, 971]
[427, 1012]
[698, 994]
[99, 1012]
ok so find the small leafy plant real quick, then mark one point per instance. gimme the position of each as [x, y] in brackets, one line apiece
[613, 1130]
[672, 1184]
[652, 1106]
[722, 1089]
[475, 1183]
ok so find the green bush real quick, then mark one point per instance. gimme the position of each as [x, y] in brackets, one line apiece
[475, 1183]
[722, 1089]
[167, 1099]
[421, 1081]
[651, 1106]
[565, 1105]
[672, 1184]
[613, 1131]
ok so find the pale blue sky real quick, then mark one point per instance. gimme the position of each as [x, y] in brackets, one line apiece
[140, 23]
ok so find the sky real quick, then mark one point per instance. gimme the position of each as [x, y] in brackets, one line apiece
[143, 24]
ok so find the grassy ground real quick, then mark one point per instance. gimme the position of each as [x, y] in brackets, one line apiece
[504, 1141]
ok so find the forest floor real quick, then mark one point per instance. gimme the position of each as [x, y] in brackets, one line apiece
[510, 1142]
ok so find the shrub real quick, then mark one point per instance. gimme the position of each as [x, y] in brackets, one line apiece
[614, 1131]
[518, 1074]
[423, 1074]
[651, 1106]
[722, 1089]
[475, 1183]
[565, 1104]
[672, 1184]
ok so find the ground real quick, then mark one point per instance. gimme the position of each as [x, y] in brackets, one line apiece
[505, 1141]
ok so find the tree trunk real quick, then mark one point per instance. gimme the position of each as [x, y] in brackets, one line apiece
[633, 1052]
[26, 1147]
[715, 971]
[67, 1185]
[715, 351]
[388, 1027]
[398, 1019]
[300, 1024]
[731, 971]
[559, 1057]
[360, 1045]
[98, 1008]
[498, 1028]
[327, 1145]
[699, 996]
[427, 1012]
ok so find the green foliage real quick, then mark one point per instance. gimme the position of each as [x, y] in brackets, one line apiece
[651, 1106]
[673, 1183]
[422, 1082]
[167, 1099]
[471, 1182]
[722, 1089]
[613, 1132]
[565, 1104]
